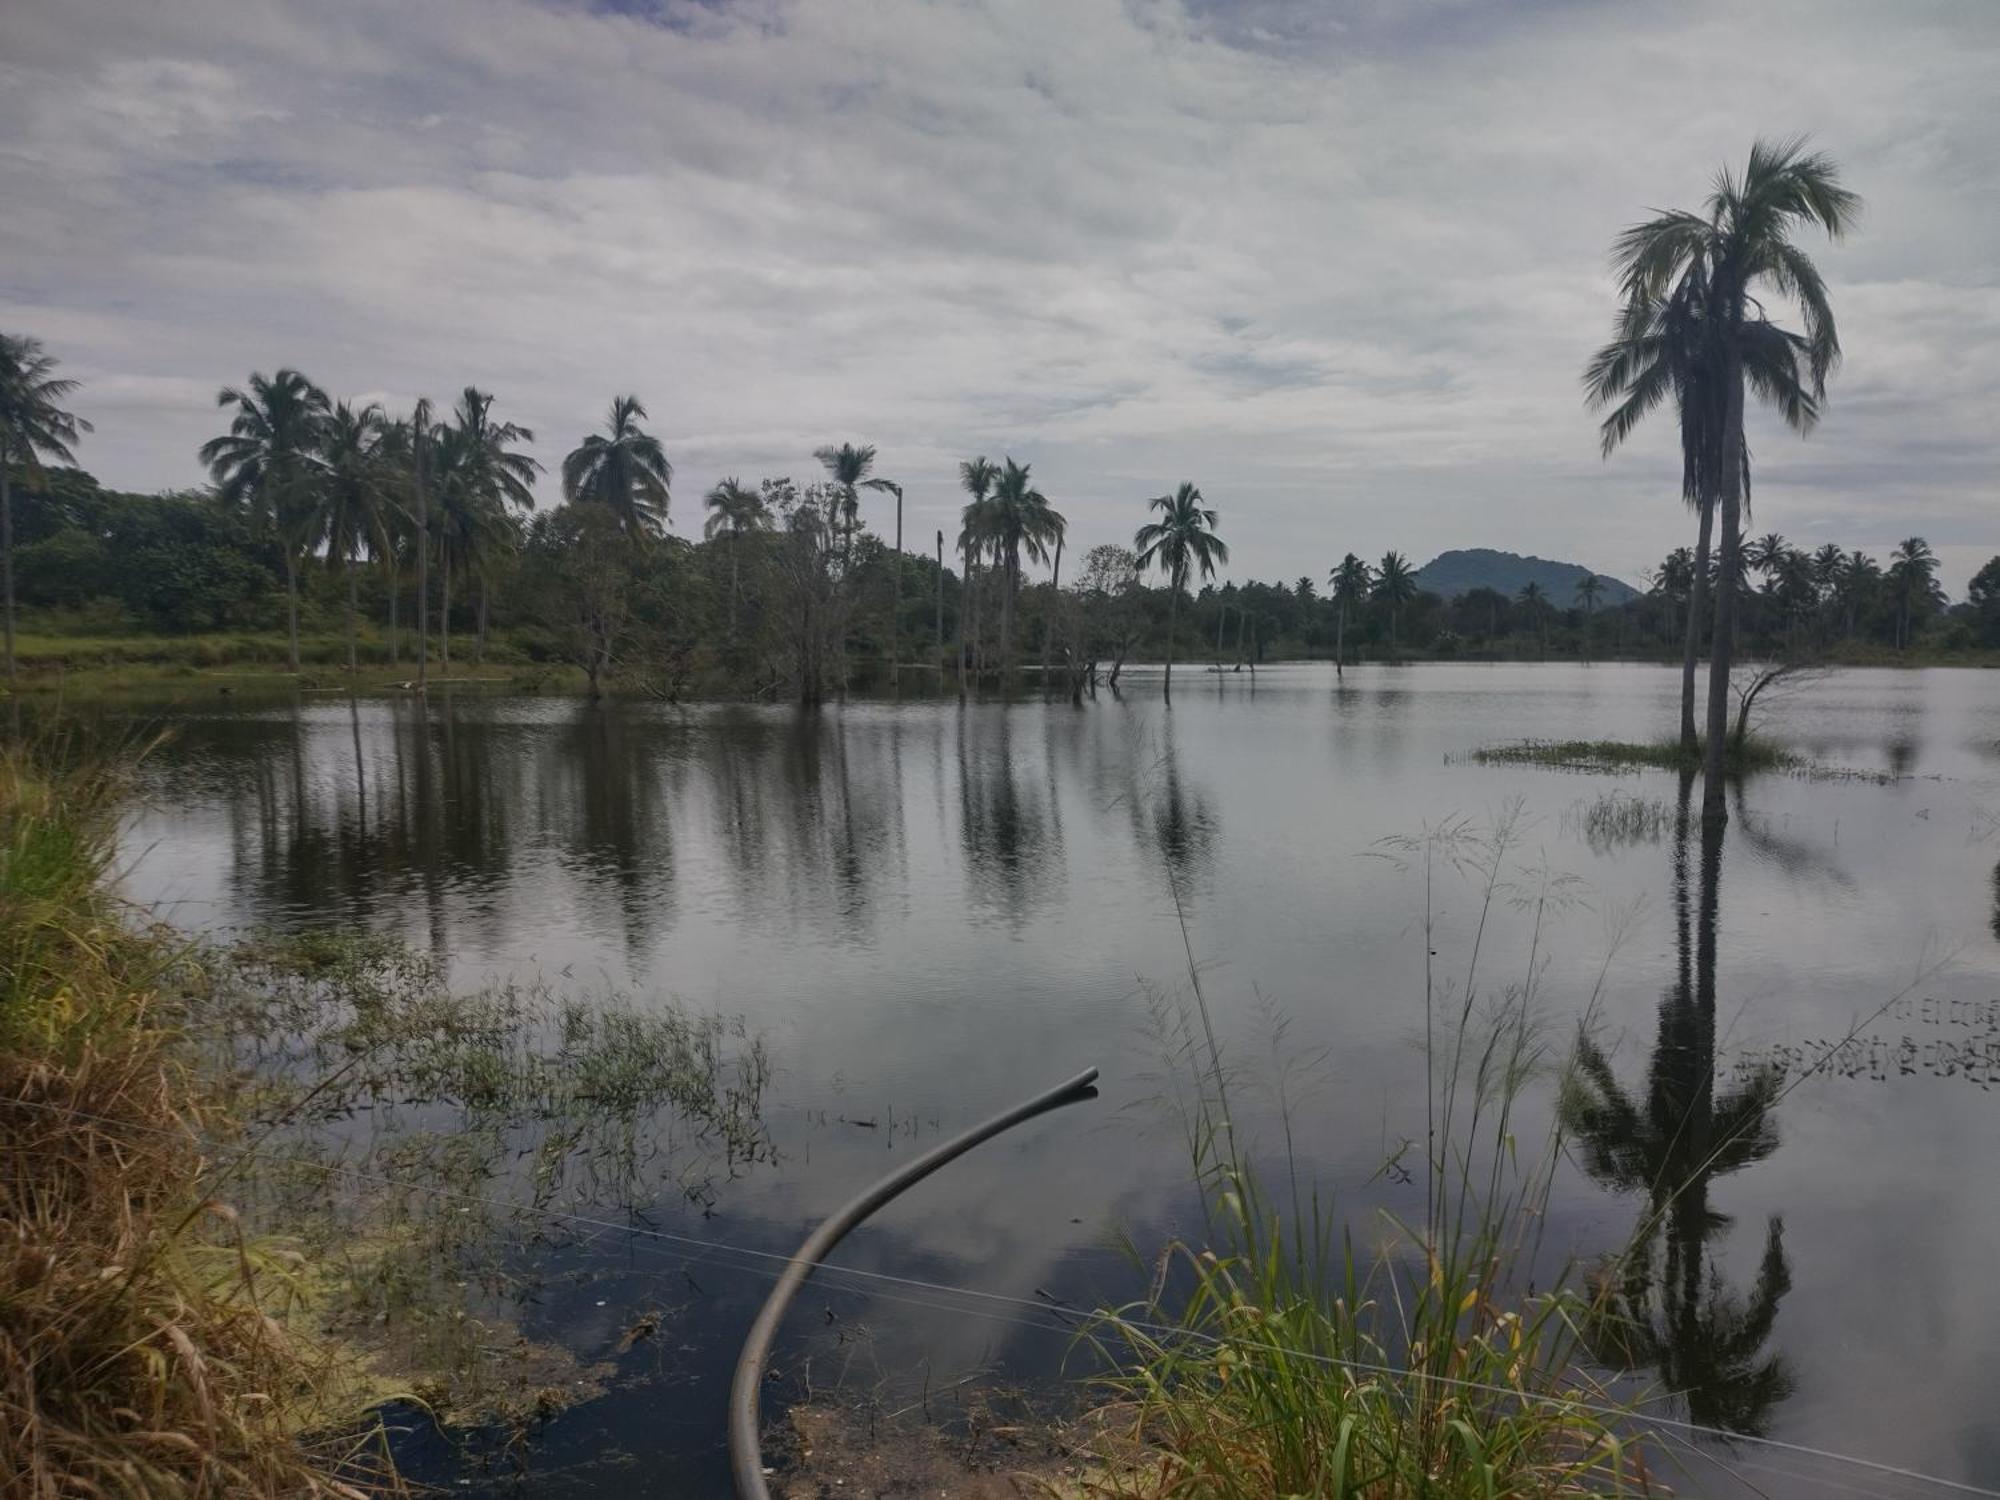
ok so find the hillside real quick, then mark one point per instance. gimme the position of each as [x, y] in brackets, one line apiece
[1450, 574]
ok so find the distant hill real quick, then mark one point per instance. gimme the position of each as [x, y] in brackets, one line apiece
[1450, 574]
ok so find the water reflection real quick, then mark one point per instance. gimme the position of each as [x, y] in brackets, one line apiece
[1665, 1304]
[1007, 820]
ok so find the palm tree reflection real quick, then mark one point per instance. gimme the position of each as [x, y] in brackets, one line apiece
[1662, 1304]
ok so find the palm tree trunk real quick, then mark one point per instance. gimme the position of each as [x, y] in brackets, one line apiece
[395, 608]
[735, 545]
[1340, 641]
[479, 641]
[353, 616]
[1173, 612]
[1049, 624]
[292, 603]
[1714, 807]
[1010, 581]
[7, 556]
[896, 605]
[940, 610]
[1697, 596]
[423, 577]
[444, 607]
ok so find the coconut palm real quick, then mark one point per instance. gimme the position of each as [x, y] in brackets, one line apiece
[1181, 541]
[1661, 348]
[1535, 604]
[1350, 587]
[1855, 586]
[268, 464]
[408, 450]
[735, 510]
[1912, 579]
[1766, 554]
[33, 426]
[623, 467]
[1738, 247]
[890, 487]
[1018, 522]
[480, 474]
[975, 477]
[354, 508]
[848, 468]
[1395, 585]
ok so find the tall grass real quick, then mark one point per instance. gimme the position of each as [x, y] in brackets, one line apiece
[140, 1350]
[1277, 1356]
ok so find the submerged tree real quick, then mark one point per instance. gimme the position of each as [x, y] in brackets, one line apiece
[1182, 540]
[268, 463]
[33, 426]
[1736, 248]
[625, 469]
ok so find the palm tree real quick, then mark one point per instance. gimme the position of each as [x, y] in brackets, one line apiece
[267, 464]
[1182, 539]
[1350, 586]
[408, 450]
[33, 425]
[1536, 605]
[1912, 583]
[1661, 348]
[975, 477]
[1589, 589]
[480, 474]
[1767, 554]
[1740, 244]
[848, 468]
[625, 467]
[353, 508]
[734, 509]
[1859, 574]
[1395, 585]
[890, 487]
[1018, 520]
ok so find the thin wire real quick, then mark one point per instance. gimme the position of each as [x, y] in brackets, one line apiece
[1158, 1329]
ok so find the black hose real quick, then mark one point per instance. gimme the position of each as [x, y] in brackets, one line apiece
[746, 1453]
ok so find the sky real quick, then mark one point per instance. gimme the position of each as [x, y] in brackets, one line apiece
[1338, 262]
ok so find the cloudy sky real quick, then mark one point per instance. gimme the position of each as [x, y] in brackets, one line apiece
[1337, 261]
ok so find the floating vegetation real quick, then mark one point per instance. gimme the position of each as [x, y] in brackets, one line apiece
[1619, 820]
[1612, 756]
[431, 1151]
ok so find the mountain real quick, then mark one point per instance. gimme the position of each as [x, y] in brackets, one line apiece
[1450, 574]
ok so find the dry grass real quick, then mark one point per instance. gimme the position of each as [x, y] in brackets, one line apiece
[143, 1349]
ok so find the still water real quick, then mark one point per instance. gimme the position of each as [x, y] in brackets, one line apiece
[927, 911]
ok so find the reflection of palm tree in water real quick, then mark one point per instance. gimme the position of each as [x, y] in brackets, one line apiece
[1662, 1304]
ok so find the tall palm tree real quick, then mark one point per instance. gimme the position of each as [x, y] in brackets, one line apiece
[1855, 586]
[734, 509]
[354, 508]
[848, 468]
[1395, 585]
[1536, 605]
[890, 487]
[625, 468]
[975, 477]
[1766, 555]
[1589, 590]
[1739, 246]
[480, 474]
[1182, 540]
[408, 449]
[268, 464]
[33, 425]
[1912, 581]
[1018, 522]
[1662, 348]
[1349, 581]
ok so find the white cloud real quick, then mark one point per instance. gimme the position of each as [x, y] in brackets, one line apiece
[1343, 276]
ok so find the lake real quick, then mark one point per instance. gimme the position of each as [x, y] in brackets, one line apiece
[926, 911]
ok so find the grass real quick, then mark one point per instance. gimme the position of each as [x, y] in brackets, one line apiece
[1754, 754]
[141, 1346]
[1273, 1356]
